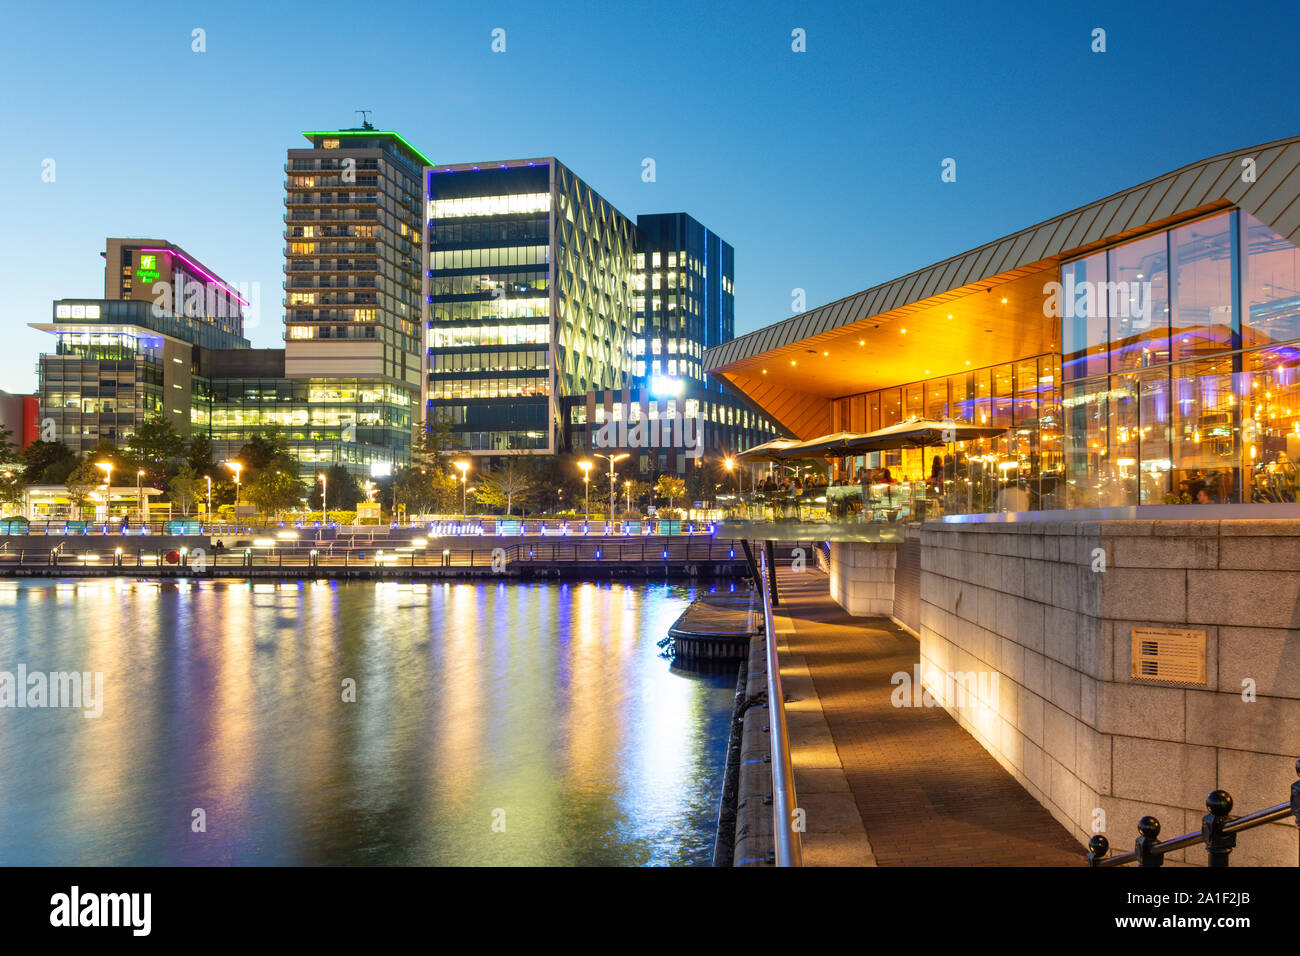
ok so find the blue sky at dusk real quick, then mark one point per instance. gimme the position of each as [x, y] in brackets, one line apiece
[821, 168]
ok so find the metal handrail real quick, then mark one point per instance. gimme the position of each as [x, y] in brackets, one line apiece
[789, 847]
[1218, 833]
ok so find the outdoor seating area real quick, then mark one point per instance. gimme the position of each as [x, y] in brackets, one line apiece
[913, 470]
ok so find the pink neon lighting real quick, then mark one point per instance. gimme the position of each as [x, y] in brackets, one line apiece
[199, 269]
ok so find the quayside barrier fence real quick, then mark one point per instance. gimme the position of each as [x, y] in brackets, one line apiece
[789, 848]
[673, 551]
[1218, 832]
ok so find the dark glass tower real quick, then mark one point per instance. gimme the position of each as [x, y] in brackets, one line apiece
[528, 301]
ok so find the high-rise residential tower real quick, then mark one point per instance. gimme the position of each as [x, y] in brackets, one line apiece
[352, 257]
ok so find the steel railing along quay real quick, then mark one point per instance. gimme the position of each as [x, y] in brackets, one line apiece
[671, 552]
[789, 846]
[1217, 832]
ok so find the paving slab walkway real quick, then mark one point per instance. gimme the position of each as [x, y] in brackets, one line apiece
[925, 792]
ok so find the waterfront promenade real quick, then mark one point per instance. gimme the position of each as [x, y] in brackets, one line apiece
[885, 785]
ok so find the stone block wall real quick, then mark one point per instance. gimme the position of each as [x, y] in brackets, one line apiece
[1036, 619]
[862, 577]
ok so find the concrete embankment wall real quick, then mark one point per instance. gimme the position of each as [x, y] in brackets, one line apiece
[754, 841]
[1027, 637]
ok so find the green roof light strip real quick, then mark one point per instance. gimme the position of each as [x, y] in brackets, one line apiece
[370, 132]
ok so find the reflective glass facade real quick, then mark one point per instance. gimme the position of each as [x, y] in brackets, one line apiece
[118, 363]
[528, 301]
[350, 422]
[1021, 468]
[1181, 378]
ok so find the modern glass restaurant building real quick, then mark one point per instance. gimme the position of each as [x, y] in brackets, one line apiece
[1141, 350]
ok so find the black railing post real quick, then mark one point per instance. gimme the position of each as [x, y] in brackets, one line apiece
[1295, 796]
[1217, 843]
[1098, 847]
[1148, 837]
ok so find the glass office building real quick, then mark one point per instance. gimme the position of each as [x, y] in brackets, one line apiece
[117, 364]
[683, 287]
[528, 301]
[362, 425]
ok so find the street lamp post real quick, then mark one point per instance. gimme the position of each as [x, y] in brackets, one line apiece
[139, 502]
[627, 490]
[107, 467]
[324, 498]
[208, 478]
[464, 478]
[612, 479]
[236, 467]
[586, 491]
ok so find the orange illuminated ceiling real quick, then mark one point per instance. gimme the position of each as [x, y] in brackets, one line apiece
[999, 320]
[952, 315]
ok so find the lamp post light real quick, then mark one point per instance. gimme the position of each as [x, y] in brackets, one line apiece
[139, 500]
[464, 477]
[236, 467]
[324, 502]
[612, 479]
[107, 467]
[586, 490]
[208, 478]
[627, 491]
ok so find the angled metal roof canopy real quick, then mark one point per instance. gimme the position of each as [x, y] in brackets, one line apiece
[793, 368]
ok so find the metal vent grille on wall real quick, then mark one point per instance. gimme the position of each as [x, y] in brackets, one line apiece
[1168, 656]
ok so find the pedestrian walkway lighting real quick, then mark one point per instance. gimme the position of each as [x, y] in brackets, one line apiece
[236, 467]
[586, 486]
[613, 479]
[464, 477]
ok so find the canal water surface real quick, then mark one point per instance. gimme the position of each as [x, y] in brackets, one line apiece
[493, 724]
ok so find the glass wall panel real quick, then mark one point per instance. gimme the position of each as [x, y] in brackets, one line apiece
[1120, 462]
[913, 402]
[1153, 421]
[1204, 433]
[1083, 317]
[1003, 385]
[891, 408]
[1269, 394]
[962, 408]
[1270, 283]
[873, 411]
[1026, 396]
[936, 399]
[1051, 447]
[1138, 303]
[1201, 255]
[983, 394]
[1084, 408]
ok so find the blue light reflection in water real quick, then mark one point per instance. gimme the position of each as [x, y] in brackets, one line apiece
[543, 706]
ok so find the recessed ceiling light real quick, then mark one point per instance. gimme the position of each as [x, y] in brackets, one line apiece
[1004, 301]
[904, 331]
[862, 341]
[826, 353]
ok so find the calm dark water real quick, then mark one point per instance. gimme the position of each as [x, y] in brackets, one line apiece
[494, 724]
